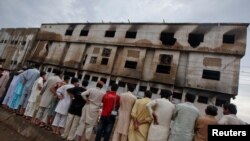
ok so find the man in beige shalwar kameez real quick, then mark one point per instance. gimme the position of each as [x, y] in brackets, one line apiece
[161, 111]
[90, 111]
[127, 101]
[141, 119]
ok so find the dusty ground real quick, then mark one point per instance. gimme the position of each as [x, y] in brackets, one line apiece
[8, 134]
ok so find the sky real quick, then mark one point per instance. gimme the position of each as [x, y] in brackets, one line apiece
[32, 13]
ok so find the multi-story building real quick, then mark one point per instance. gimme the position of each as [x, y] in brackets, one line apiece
[15, 46]
[203, 59]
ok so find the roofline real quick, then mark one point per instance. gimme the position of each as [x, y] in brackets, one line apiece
[148, 23]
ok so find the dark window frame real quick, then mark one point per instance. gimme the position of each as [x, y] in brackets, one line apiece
[211, 75]
[109, 34]
[130, 64]
[131, 34]
[84, 32]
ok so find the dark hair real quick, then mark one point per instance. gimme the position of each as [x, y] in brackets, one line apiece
[66, 77]
[42, 73]
[85, 83]
[131, 87]
[211, 110]
[74, 80]
[148, 94]
[166, 94]
[99, 84]
[190, 97]
[231, 108]
[114, 87]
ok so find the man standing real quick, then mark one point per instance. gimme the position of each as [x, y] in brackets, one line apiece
[110, 102]
[4, 77]
[185, 115]
[230, 118]
[141, 119]
[47, 95]
[36, 90]
[202, 123]
[62, 107]
[161, 110]
[93, 98]
[127, 101]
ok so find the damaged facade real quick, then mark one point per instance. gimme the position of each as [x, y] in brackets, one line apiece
[15, 46]
[201, 58]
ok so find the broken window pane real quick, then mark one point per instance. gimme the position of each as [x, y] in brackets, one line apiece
[110, 34]
[130, 64]
[165, 59]
[69, 32]
[84, 33]
[49, 70]
[122, 84]
[195, 39]
[177, 95]
[93, 60]
[220, 102]
[209, 74]
[111, 82]
[154, 90]
[86, 77]
[167, 38]
[143, 88]
[104, 61]
[106, 52]
[202, 99]
[79, 76]
[94, 78]
[130, 34]
[163, 69]
[229, 39]
[68, 73]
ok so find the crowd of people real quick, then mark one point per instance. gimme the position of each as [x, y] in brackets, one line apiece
[72, 110]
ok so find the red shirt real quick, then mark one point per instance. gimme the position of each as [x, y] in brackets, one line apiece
[108, 101]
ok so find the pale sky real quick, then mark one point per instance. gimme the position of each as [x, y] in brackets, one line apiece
[32, 13]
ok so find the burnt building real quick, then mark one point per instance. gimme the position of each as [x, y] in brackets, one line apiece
[203, 59]
[15, 46]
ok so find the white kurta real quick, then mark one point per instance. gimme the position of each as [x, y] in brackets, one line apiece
[47, 94]
[127, 101]
[63, 105]
[185, 115]
[164, 110]
[90, 111]
[3, 81]
[231, 119]
[35, 90]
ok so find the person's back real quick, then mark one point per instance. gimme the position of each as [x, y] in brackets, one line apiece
[161, 111]
[47, 94]
[230, 118]
[202, 123]
[184, 117]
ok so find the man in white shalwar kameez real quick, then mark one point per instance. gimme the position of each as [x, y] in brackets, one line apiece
[36, 90]
[161, 111]
[185, 115]
[90, 111]
[62, 107]
[47, 95]
[127, 101]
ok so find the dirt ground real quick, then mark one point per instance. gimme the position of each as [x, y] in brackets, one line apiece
[8, 134]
